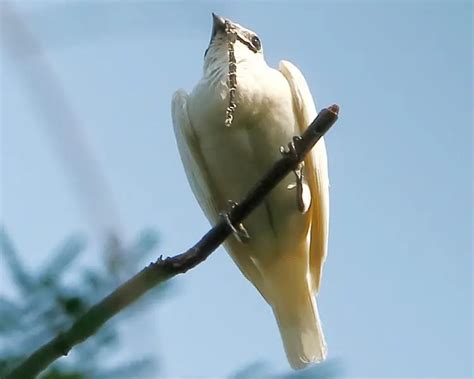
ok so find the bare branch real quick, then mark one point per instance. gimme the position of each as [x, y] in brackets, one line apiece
[162, 270]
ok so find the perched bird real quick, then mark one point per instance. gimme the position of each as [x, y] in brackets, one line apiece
[229, 130]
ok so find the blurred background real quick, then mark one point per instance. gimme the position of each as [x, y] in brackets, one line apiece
[92, 187]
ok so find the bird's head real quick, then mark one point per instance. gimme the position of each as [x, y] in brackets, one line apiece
[247, 45]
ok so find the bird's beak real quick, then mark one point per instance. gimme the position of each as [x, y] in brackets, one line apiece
[218, 24]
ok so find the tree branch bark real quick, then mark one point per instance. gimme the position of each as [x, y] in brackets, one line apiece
[164, 269]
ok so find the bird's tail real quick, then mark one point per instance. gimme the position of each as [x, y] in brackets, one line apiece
[300, 328]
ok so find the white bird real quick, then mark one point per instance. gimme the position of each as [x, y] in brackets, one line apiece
[282, 245]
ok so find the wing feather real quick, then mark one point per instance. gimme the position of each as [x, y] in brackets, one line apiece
[202, 183]
[191, 155]
[316, 170]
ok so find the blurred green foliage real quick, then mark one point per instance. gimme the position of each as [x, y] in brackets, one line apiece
[51, 299]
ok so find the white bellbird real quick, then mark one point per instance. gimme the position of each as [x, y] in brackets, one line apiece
[229, 130]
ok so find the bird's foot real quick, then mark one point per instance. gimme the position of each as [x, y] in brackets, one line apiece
[239, 231]
[299, 186]
[292, 149]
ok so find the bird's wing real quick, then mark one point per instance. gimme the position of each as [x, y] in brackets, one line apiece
[192, 157]
[202, 184]
[316, 171]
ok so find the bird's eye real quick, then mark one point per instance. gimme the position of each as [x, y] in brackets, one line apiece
[256, 43]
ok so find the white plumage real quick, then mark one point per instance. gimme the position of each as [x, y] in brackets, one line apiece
[287, 248]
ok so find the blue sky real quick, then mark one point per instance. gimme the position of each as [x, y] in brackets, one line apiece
[396, 300]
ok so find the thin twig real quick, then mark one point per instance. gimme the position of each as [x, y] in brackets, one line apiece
[163, 269]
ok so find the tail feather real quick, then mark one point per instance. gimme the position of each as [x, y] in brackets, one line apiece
[300, 329]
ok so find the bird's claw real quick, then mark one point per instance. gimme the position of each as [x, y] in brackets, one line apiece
[299, 187]
[239, 231]
[292, 149]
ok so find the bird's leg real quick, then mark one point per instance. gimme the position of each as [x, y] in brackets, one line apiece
[299, 187]
[292, 149]
[239, 232]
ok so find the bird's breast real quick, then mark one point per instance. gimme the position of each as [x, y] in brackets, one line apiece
[238, 156]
